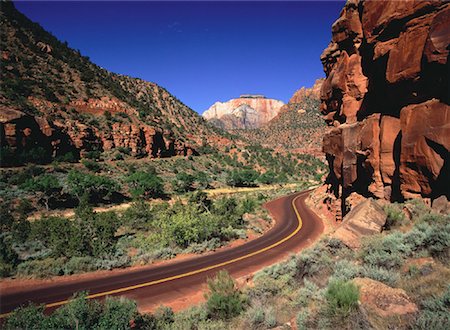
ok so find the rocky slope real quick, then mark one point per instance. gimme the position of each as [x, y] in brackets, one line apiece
[297, 127]
[56, 104]
[386, 96]
[247, 111]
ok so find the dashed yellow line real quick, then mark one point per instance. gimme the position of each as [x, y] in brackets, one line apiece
[197, 271]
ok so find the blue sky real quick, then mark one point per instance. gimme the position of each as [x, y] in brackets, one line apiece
[201, 52]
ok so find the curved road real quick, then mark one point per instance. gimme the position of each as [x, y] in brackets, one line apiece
[296, 227]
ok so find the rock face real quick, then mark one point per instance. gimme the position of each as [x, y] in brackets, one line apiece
[386, 96]
[298, 126]
[247, 111]
[366, 218]
[382, 301]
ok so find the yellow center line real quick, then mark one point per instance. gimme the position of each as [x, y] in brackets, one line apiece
[197, 271]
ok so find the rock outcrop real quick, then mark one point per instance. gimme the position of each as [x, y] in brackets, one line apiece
[366, 218]
[245, 112]
[386, 97]
[381, 301]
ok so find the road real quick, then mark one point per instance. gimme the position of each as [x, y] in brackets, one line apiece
[296, 226]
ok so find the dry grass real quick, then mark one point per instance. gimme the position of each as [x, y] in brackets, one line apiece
[420, 287]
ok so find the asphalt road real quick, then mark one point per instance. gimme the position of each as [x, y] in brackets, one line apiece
[296, 227]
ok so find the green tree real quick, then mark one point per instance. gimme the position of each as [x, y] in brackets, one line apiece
[268, 177]
[47, 186]
[145, 184]
[95, 187]
[224, 300]
[242, 178]
[183, 182]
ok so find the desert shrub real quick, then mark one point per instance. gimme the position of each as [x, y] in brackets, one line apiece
[79, 264]
[312, 261]
[265, 287]
[91, 165]
[268, 177]
[29, 317]
[346, 270]
[41, 268]
[190, 318]
[94, 187]
[224, 300]
[287, 268]
[255, 315]
[139, 215]
[270, 317]
[395, 216]
[309, 291]
[116, 313]
[387, 251]
[145, 184]
[46, 186]
[342, 297]
[242, 178]
[380, 274]
[183, 182]
[302, 319]
[434, 313]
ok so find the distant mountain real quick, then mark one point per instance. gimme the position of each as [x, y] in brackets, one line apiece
[57, 104]
[298, 126]
[245, 112]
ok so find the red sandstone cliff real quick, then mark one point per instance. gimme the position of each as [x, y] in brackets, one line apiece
[386, 96]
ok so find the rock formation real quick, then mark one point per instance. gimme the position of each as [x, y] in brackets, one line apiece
[366, 218]
[247, 111]
[386, 96]
[298, 126]
[381, 301]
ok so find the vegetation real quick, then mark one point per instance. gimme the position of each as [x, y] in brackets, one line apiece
[223, 299]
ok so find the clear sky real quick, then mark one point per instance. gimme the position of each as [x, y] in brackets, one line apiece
[201, 52]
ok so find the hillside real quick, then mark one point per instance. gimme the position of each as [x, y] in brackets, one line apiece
[298, 127]
[56, 104]
[244, 112]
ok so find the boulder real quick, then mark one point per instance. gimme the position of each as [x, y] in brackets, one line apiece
[441, 205]
[366, 218]
[382, 301]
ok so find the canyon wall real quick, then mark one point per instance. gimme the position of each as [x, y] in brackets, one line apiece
[386, 97]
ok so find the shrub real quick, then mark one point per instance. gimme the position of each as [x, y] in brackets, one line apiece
[224, 300]
[386, 276]
[434, 313]
[342, 297]
[395, 216]
[242, 178]
[145, 184]
[387, 252]
[91, 165]
[302, 319]
[29, 317]
[95, 187]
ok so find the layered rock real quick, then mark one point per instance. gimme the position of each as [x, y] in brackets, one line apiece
[247, 111]
[365, 219]
[386, 97]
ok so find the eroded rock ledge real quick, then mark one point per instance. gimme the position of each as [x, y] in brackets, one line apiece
[386, 97]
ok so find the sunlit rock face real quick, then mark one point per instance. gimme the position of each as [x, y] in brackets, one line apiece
[386, 96]
[247, 111]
